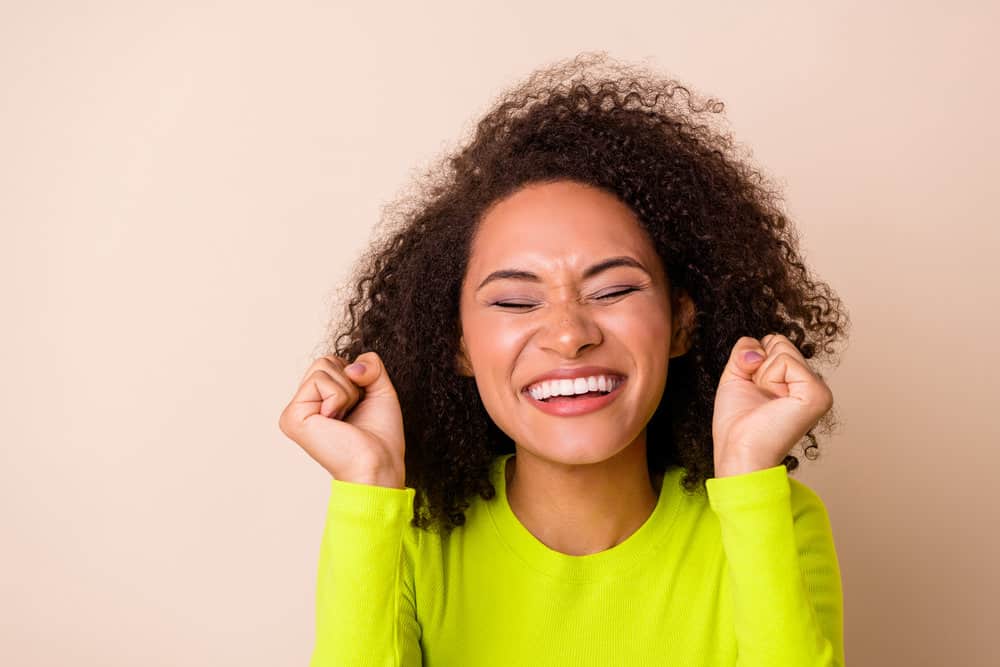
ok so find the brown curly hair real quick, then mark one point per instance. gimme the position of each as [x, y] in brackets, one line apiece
[715, 220]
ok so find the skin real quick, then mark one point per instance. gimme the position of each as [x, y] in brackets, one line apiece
[580, 484]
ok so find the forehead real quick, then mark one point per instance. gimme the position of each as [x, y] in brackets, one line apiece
[554, 225]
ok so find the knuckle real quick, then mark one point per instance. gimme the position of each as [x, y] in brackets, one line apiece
[284, 422]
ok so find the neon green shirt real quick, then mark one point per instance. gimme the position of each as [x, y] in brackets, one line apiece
[747, 575]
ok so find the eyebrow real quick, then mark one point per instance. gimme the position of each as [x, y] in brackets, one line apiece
[520, 274]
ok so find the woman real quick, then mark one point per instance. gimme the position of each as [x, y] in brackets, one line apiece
[560, 413]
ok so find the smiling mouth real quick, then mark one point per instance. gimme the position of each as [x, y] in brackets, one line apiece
[572, 405]
[613, 383]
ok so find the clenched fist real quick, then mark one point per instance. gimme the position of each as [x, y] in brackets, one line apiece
[348, 419]
[764, 404]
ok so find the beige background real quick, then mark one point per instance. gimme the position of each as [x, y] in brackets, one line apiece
[183, 188]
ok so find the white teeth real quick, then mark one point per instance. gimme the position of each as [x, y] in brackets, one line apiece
[570, 387]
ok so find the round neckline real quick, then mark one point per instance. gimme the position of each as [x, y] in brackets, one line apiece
[607, 564]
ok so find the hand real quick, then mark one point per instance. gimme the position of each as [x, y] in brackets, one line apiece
[763, 407]
[348, 419]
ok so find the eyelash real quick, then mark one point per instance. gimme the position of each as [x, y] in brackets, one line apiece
[504, 304]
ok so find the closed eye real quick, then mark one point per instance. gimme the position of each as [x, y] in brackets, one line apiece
[618, 293]
[610, 295]
[503, 304]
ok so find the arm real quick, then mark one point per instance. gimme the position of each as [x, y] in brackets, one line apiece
[783, 570]
[365, 613]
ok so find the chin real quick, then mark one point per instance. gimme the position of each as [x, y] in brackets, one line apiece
[585, 449]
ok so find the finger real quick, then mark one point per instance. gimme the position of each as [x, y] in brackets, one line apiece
[777, 342]
[336, 404]
[789, 375]
[776, 345]
[318, 390]
[335, 369]
[350, 396]
[324, 362]
[774, 373]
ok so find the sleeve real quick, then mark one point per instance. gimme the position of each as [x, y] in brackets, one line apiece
[783, 570]
[365, 607]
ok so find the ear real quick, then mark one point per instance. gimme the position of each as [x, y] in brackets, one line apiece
[682, 313]
[462, 365]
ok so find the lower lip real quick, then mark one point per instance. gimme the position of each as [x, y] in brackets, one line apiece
[570, 407]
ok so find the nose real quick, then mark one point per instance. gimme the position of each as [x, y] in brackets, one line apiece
[568, 330]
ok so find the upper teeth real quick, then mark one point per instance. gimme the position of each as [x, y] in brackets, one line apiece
[570, 386]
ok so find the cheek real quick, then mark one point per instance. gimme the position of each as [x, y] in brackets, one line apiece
[645, 330]
[493, 344]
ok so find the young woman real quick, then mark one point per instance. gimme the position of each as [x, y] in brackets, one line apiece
[559, 413]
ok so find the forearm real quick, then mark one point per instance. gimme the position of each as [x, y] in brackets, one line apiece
[362, 615]
[783, 573]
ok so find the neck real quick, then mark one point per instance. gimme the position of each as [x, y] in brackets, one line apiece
[582, 509]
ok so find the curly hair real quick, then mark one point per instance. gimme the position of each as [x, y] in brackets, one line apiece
[715, 221]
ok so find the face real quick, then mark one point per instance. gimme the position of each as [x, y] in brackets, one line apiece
[540, 295]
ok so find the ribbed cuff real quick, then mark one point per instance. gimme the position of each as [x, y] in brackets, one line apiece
[748, 489]
[370, 501]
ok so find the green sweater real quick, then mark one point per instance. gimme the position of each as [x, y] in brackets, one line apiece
[746, 576]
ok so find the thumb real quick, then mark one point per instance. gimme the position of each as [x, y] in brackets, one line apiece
[745, 359]
[378, 412]
[368, 372]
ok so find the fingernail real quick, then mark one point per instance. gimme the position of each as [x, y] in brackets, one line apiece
[356, 367]
[752, 356]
